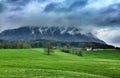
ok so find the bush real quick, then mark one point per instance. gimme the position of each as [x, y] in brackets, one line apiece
[65, 50]
[79, 53]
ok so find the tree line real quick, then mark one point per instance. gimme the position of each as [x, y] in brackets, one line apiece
[43, 44]
[14, 45]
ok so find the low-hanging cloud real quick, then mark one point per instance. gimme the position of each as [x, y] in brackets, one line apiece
[87, 14]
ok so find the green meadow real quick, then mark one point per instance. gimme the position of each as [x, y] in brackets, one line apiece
[34, 63]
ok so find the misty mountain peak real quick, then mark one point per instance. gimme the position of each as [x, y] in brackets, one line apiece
[68, 34]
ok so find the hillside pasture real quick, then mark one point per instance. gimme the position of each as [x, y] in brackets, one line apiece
[34, 63]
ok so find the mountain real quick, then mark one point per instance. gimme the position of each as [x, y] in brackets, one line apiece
[68, 34]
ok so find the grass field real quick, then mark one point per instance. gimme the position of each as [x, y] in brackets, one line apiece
[34, 63]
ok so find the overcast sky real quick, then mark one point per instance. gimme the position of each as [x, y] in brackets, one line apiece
[101, 17]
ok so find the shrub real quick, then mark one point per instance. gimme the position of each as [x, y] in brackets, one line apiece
[65, 50]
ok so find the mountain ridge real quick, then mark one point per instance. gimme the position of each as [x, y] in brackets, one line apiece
[68, 34]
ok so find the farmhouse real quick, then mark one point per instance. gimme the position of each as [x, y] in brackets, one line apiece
[89, 49]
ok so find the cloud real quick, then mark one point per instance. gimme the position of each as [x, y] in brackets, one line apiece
[2, 7]
[110, 35]
[50, 7]
[17, 2]
[109, 15]
[72, 12]
[66, 6]
[90, 15]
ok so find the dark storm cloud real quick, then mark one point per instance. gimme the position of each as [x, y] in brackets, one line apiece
[18, 2]
[72, 10]
[86, 14]
[79, 4]
[109, 15]
[22, 2]
[16, 9]
[72, 5]
[2, 7]
[50, 7]
[17, 5]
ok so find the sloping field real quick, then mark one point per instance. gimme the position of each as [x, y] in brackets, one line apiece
[34, 63]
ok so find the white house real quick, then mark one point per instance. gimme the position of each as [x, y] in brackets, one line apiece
[89, 49]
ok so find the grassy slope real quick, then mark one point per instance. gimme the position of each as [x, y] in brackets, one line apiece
[33, 63]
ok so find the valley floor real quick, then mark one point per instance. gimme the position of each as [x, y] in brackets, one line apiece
[34, 63]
